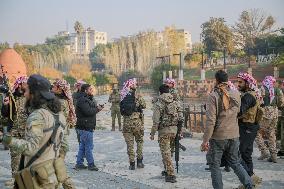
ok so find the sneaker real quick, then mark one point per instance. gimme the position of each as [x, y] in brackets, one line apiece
[207, 169]
[171, 179]
[227, 169]
[92, 168]
[80, 167]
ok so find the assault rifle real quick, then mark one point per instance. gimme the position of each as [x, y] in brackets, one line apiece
[177, 144]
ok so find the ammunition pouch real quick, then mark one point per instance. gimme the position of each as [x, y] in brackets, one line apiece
[36, 177]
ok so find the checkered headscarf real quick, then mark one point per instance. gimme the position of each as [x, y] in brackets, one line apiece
[252, 83]
[127, 85]
[269, 82]
[18, 82]
[170, 81]
[65, 87]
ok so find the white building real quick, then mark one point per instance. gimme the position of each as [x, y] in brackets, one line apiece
[83, 43]
[187, 39]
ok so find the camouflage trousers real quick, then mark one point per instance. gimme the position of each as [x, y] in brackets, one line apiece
[165, 142]
[15, 161]
[67, 183]
[115, 112]
[282, 133]
[130, 134]
[267, 130]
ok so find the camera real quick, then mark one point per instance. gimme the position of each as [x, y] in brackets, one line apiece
[4, 88]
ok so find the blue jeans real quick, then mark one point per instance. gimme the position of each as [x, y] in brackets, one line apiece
[230, 149]
[86, 147]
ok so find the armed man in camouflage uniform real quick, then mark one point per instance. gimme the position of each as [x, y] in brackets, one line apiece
[62, 91]
[281, 128]
[171, 83]
[114, 98]
[133, 128]
[272, 98]
[166, 114]
[40, 166]
[15, 114]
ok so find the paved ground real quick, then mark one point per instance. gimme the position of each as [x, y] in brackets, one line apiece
[111, 158]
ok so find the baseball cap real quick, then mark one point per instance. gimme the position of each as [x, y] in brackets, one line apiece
[42, 85]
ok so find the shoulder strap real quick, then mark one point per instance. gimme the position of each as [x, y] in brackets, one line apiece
[218, 105]
[50, 141]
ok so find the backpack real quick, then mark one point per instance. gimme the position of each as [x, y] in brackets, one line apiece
[127, 105]
[169, 116]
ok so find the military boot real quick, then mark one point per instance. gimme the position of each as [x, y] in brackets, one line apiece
[170, 178]
[273, 158]
[256, 180]
[164, 173]
[140, 163]
[280, 153]
[113, 128]
[132, 166]
[119, 128]
[264, 155]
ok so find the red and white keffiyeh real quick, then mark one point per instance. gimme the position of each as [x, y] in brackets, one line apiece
[127, 85]
[65, 87]
[170, 81]
[252, 83]
[79, 83]
[269, 82]
[18, 82]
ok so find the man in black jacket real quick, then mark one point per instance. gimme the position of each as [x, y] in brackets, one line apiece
[86, 110]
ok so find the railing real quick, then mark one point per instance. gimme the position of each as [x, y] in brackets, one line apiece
[194, 117]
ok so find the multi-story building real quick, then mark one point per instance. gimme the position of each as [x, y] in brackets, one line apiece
[82, 43]
[187, 39]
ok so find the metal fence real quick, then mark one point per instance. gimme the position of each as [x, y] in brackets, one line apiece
[194, 117]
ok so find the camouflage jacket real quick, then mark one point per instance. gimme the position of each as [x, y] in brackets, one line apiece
[175, 94]
[136, 116]
[19, 117]
[159, 110]
[37, 133]
[114, 98]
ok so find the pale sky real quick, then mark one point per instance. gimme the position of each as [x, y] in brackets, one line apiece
[31, 21]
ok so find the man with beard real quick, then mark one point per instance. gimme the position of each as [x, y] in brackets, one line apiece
[86, 110]
[13, 110]
[221, 135]
[62, 91]
[40, 166]
[248, 126]
[131, 108]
